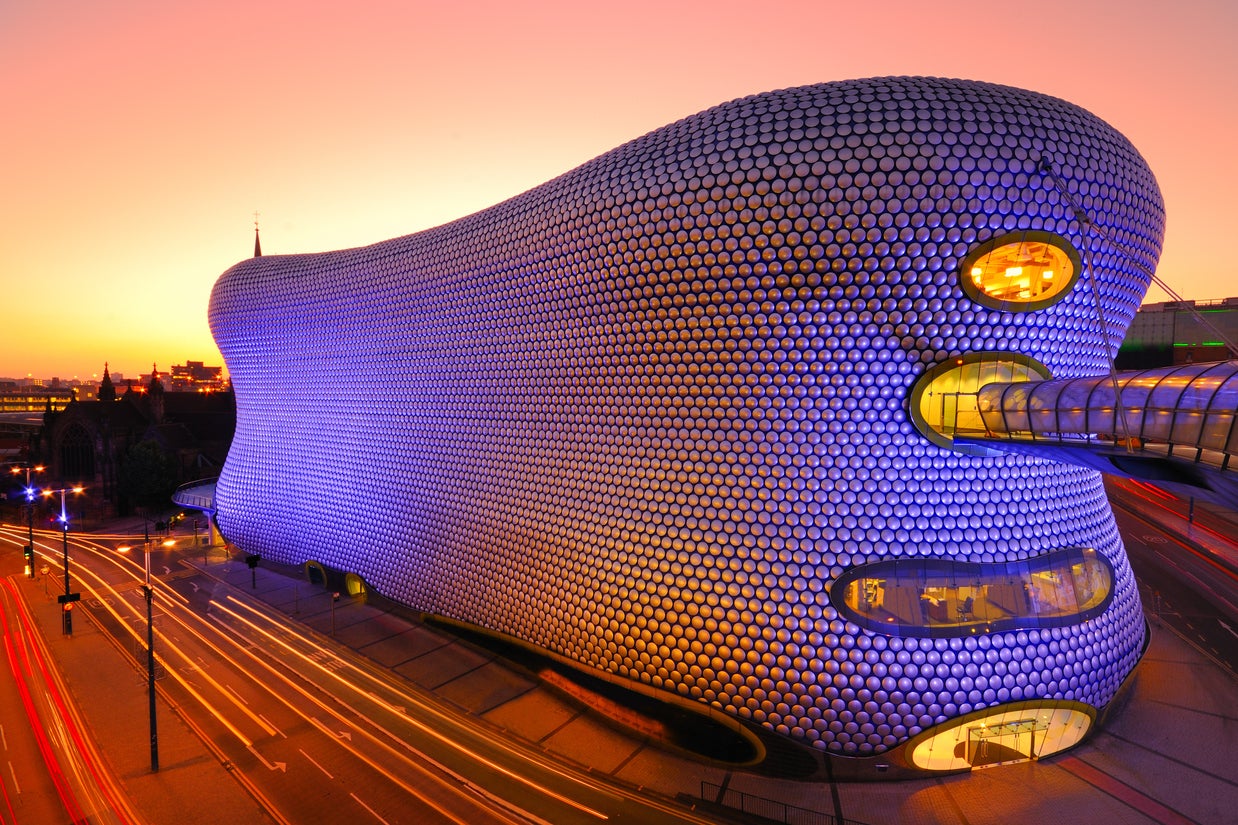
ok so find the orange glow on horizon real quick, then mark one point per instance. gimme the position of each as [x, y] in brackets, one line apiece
[145, 135]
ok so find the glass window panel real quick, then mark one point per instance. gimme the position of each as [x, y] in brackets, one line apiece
[1187, 426]
[1166, 396]
[1023, 270]
[1007, 733]
[1101, 420]
[1072, 420]
[1074, 396]
[1226, 398]
[945, 402]
[940, 597]
[1157, 425]
[1200, 393]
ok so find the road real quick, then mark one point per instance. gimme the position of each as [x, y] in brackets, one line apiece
[308, 726]
[52, 770]
[313, 730]
[1193, 589]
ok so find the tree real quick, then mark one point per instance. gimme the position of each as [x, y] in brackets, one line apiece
[148, 476]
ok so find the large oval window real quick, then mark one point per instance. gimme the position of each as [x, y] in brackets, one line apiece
[1020, 271]
[945, 404]
[1014, 732]
[944, 597]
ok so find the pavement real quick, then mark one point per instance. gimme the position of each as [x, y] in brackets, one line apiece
[1167, 756]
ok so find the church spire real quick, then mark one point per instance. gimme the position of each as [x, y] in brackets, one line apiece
[257, 241]
[154, 396]
[107, 390]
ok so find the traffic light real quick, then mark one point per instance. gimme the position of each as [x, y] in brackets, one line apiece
[67, 614]
[28, 551]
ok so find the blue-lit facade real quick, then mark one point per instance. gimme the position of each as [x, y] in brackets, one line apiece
[677, 416]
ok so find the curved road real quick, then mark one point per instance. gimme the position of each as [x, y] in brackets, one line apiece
[304, 723]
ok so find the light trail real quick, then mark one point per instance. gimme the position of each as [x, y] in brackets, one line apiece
[100, 586]
[336, 676]
[341, 672]
[28, 660]
[177, 604]
[1202, 556]
[331, 710]
[21, 676]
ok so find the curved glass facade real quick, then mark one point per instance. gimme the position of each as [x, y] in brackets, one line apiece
[1189, 411]
[941, 597]
[1012, 733]
[945, 401]
[1021, 271]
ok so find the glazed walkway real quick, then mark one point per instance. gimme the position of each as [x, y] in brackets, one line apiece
[1176, 426]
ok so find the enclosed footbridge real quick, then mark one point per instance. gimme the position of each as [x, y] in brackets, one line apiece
[197, 495]
[1174, 426]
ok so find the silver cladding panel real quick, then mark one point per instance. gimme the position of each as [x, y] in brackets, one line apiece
[646, 413]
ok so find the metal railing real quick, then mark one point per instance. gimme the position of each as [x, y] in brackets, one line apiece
[199, 495]
[769, 810]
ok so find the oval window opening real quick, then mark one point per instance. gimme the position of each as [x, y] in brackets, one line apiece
[945, 402]
[1014, 732]
[1020, 271]
[941, 598]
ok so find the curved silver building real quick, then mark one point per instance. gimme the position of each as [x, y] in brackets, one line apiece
[686, 416]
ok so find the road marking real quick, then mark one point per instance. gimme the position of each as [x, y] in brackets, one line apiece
[316, 765]
[368, 808]
[403, 741]
[270, 766]
[1227, 627]
[343, 734]
[273, 726]
[13, 773]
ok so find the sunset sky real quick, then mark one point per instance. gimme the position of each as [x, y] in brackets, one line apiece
[140, 136]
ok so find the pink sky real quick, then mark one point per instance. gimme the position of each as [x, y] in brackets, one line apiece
[141, 136]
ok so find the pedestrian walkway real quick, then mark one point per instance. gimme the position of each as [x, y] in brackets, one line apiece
[192, 787]
[1168, 756]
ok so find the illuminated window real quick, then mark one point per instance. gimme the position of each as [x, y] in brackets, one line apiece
[1020, 271]
[944, 403]
[1015, 732]
[941, 597]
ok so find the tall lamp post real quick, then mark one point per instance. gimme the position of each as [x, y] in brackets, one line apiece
[67, 600]
[150, 649]
[30, 493]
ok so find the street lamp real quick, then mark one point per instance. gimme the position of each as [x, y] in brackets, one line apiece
[150, 650]
[68, 598]
[30, 493]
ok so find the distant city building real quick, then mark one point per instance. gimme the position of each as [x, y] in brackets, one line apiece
[194, 376]
[87, 441]
[17, 399]
[1181, 332]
